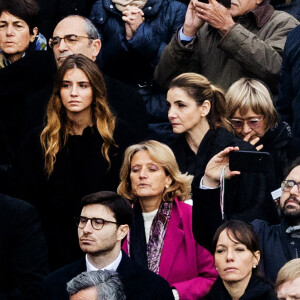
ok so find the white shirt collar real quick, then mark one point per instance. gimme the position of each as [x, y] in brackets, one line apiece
[112, 266]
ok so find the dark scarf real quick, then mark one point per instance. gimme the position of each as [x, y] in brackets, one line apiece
[149, 255]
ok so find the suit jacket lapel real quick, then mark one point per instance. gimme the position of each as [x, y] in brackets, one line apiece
[172, 242]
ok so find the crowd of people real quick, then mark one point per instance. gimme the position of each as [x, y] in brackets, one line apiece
[119, 121]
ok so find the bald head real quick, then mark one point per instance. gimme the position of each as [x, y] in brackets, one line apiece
[80, 35]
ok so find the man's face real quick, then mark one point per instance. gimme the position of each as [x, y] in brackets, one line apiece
[290, 290]
[240, 7]
[290, 200]
[74, 25]
[103, 241]
[86, 294]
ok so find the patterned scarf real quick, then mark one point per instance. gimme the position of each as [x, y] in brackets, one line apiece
[149, 255]
[121, 4]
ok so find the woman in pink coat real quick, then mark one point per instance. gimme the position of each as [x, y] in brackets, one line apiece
[161, 237]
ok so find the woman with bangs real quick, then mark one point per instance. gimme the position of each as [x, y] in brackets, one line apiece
[237, 254]
[254, 119]
[78, 152]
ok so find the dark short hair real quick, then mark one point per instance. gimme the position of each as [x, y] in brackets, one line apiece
[244, 234]
[26, 10]
[107, 283]
[293, 164]
[118, 205]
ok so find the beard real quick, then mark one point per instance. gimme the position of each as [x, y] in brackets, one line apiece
[291, 215]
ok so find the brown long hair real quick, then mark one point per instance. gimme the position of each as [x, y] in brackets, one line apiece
[55, 134]
[200, 89]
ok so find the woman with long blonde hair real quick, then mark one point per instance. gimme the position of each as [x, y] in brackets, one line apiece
[78, 152]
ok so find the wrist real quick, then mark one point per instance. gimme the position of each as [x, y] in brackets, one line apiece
[189, 30]
[227, 27]
[209, 182]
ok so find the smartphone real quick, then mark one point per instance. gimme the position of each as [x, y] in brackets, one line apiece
[226, 3]
[250, 161]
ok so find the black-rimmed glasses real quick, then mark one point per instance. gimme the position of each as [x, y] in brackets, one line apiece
[70, 39]
[97, 223]
[287, 185]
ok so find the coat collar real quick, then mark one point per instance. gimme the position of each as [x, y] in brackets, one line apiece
[261, 13]
[173, 240]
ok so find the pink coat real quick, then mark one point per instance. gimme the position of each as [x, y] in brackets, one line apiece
[186, 265]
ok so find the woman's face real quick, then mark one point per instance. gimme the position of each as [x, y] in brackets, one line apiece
[14, 36]
[233, 260]
[184, 113]
[249, 123]
[148, 178]
[76, 92]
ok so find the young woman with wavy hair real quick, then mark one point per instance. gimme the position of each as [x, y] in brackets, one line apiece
[78, 152]
[63, 119]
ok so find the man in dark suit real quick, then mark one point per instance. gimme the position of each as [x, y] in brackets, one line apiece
[103, 224]
[23, 251]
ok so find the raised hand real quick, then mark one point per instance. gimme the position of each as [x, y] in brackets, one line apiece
[253, 141]
[192, 22]
[215, 166]
[215, 14]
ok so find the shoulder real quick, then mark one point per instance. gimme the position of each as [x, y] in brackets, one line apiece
[139, 281]
[16, 209]
[284, 18]
[65, 274]
[263, 228]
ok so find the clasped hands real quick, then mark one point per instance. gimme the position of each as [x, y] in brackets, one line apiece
[214, 13]
[133, 18]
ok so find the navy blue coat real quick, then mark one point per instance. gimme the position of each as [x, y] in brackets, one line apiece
[134, 61]
[288, 103]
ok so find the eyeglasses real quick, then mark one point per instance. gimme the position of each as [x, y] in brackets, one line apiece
[287, 185]
[253, 123]
[70, 39]
[97, 223]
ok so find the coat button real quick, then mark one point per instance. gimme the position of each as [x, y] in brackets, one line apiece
[149, 8]
[101, 19]
[111, 6]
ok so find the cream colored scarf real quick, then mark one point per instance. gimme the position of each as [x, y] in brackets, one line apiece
[121, 4]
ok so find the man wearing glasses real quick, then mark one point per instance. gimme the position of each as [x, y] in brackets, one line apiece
[279, 243]
[102, 225]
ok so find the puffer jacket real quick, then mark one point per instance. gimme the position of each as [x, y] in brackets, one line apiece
[133, 61]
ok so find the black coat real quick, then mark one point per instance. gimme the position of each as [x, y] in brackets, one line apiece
[276, 141]
[123, 100]
[80, 169]
[277, 246]
[17, 81]
[257, 289]
[139, 283]
[23, 251]
[247, 196]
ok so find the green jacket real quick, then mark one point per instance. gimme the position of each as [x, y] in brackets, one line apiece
[252, 48]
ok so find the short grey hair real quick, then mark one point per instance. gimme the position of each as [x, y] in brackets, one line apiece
[107, 283]
[90, 28]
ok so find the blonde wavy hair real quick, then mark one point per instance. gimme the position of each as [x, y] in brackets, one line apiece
[248, 93]
[58, 126]
[200, 89]
[162, 155]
